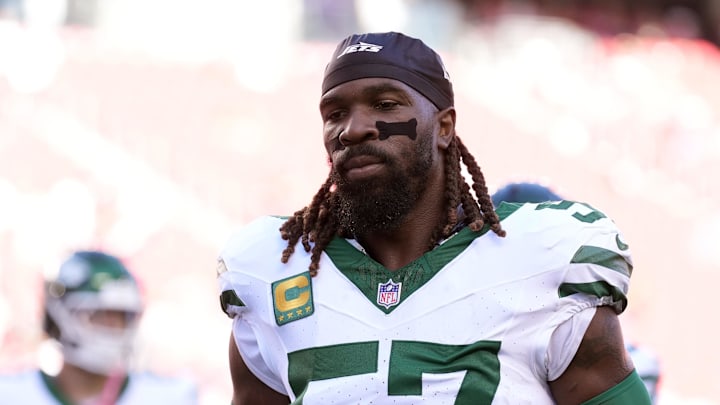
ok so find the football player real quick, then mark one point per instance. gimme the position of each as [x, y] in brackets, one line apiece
[400, 284]
[92, 309]
[524, 192]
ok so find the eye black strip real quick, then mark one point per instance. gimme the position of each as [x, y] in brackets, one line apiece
[386, 129]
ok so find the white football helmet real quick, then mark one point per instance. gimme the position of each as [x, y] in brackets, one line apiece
[87, 285]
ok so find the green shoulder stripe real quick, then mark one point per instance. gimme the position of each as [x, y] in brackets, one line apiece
[602, 257]
[505, 209]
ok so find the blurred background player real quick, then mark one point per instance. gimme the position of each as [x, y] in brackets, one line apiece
[524, 193]
[645, 361]
[92, 309]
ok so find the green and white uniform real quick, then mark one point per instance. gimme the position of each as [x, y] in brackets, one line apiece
[480, 319]
[37, 388]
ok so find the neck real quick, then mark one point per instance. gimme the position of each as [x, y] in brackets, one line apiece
[79, 385]
[397, 248]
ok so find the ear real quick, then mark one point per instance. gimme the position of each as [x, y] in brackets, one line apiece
[446, 119]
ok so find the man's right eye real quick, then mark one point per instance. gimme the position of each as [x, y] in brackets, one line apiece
[334, 115]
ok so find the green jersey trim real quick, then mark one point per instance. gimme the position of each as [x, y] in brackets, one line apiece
[505, 209]
[631, 390]
[368, 275]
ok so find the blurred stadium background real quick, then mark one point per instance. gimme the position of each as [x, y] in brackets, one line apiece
[154, 128]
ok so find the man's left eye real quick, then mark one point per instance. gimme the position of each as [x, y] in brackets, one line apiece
[384, 105]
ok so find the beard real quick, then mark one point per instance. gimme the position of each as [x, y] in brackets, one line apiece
[383, 203]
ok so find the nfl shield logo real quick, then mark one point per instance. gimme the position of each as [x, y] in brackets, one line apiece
[388, 294]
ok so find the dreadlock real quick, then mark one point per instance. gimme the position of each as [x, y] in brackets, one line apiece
[318, 224]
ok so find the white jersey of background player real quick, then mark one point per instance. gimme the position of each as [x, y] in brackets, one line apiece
[38, 388]
[92, 309]
[479, 319]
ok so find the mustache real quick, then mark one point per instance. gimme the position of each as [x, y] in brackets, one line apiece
[360, 150]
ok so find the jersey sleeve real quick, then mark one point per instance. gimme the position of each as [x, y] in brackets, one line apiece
[600, 265]
[252, 346]
[239, 259]
[597, 272]
[565, 341]
[244, 266]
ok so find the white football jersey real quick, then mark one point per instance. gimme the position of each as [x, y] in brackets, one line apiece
[36, 388]
[479, 319]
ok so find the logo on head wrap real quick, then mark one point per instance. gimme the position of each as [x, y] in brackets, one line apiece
[398, 57]
[360, 47]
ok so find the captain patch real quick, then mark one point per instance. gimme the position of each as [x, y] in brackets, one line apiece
[292, 298]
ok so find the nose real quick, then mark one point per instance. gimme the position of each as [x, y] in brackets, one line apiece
[359, 127]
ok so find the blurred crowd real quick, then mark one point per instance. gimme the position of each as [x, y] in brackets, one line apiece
[695, 19]
[328, 19]
[143, 141]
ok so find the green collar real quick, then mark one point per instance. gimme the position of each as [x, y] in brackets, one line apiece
[387, 289]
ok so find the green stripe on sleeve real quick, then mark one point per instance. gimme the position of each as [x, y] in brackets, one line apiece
[602, 257]
[598, 289]
[229, 297]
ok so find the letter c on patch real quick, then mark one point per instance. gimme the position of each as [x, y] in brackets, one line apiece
[292, 293]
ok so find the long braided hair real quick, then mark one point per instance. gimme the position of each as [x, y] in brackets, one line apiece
[316, 224]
